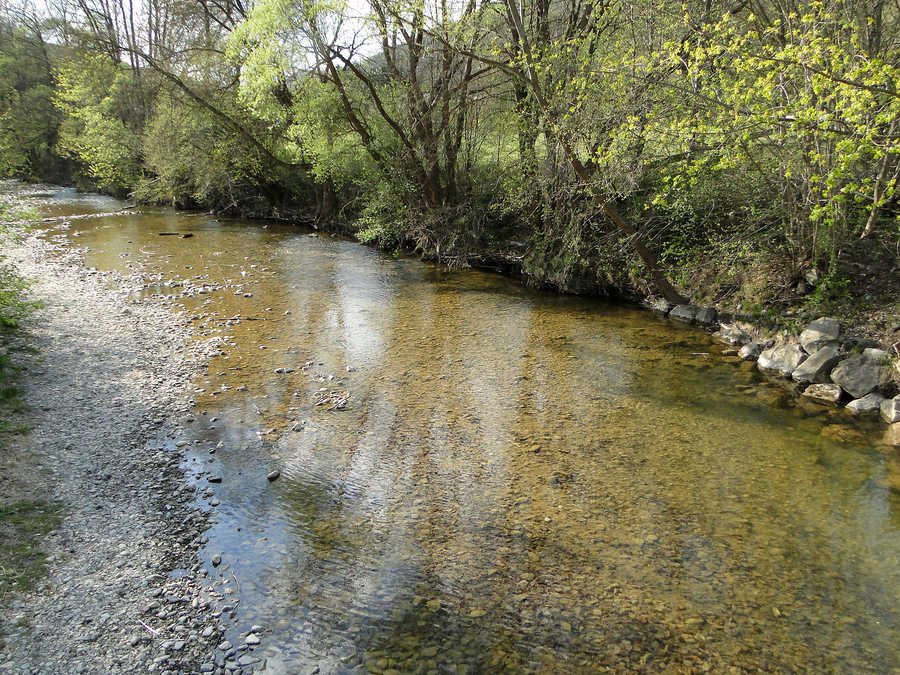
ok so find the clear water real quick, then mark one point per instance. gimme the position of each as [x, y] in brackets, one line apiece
[517, 482]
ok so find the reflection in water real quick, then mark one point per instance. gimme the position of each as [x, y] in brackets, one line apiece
[518, 481]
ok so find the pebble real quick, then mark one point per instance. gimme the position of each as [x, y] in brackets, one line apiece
[216, 560]
[225, 646]
[273, 475]
[252, 639]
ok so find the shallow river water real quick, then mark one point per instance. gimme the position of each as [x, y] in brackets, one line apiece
[497, 479]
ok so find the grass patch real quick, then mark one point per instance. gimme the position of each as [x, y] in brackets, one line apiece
[22, 525]
[15, 217]
[22, 563]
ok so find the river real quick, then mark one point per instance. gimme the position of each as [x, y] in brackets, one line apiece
[479, 477]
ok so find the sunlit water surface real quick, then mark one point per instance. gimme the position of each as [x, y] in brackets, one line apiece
[517, 481]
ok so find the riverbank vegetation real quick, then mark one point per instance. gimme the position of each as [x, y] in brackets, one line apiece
[739, 152]
[14, 307]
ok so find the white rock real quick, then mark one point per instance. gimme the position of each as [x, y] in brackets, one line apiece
[868, 404]
[890, 410]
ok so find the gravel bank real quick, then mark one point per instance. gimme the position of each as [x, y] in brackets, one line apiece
[104, 392]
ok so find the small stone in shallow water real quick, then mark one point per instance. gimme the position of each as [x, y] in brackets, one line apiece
[216, 560]
[824, 393]
[225, 646]
[252, 639]
[273, 475]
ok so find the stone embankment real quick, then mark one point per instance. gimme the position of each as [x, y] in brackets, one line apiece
[821, 364]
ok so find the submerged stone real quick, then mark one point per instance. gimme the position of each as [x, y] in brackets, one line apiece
[892, 435]
[824, 393]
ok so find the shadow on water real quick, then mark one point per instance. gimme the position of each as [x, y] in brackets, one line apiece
[514, 481]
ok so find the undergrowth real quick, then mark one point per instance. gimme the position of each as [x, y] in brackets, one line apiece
[14, 308]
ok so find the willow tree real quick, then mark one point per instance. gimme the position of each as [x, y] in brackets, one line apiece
[405, 97]
[570, 59]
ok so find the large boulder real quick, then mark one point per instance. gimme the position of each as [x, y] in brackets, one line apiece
[817, 367]
[824, 393]
[684, 313]
[890, 410]
[863, 373]
[732, 335]
[870, 404]
[819, 333]
[782, 360]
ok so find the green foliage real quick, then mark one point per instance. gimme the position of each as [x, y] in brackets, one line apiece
[22, 526]
[188, 160]
[100, 129]
[14, 307]
[28, 120]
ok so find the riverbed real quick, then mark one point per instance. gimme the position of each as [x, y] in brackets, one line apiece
[477, 477]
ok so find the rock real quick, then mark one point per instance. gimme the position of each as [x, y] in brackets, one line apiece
[892, 435]
[751, 351]
[890, 410]
[273, 475]
[207, 632]
[252, 639]
[819, 333]
[732, 335]
[684, 313]
[859, 343]
[658, 305]
[782, 360]
[868, 404]
[706, 316]
[178, 645]
[818, 366]
[256, 628]
[207, 667]
[216, 560]
[811, 277]
[247, 660]
[863, 373]
[215, 478]
[225, 646]
[824, 393]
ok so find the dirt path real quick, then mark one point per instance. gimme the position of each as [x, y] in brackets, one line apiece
[109, 382]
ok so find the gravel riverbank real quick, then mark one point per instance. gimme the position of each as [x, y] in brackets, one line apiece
[123, 591]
